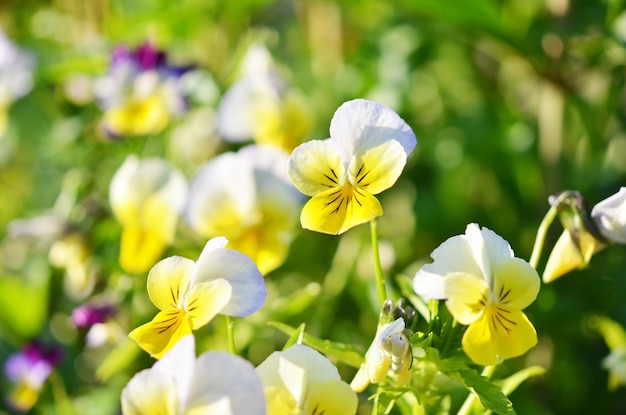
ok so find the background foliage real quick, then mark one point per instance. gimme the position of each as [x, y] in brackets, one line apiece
[511, 102]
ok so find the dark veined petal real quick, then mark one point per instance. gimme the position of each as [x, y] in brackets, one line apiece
[339, 209]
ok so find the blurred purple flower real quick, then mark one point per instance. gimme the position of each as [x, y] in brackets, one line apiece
[28, 370]
[141, 91]
[88, 314]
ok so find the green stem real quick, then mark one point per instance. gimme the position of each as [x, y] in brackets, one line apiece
[541, 235]
[231, 334]
[62, 403]
[469, 401]
[380, 279]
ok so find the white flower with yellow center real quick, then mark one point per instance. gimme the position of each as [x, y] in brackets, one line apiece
[365, 154]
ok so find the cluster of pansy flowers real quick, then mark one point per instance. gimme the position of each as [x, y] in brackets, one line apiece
[245, 203]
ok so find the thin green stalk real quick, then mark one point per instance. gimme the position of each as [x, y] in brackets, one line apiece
[380, 278]
[61, 401]
[231, 334]
[469, 401]
[541, 235]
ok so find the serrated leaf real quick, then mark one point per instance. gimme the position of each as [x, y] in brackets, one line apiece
[490, 395]
[339, 351]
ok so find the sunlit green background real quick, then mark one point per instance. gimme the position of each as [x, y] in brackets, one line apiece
[511, 101]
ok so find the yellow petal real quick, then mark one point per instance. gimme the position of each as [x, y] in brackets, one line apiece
[137, 117]
[206, 300]
[339, 209]
[162, 333]
[516, 283]
[315, 167]
[23, 396]
[500, 333]
[567, 256]
[330, 397]
[377, 169]
[168, 282]
[267, 247]
[467, 296]
[140, 248]
[279, 401]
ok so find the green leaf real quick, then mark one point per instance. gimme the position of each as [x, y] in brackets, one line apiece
[490, 395]
[339, 351]
[24, 304]
[296, 337]
[613, 333]
[512, 382]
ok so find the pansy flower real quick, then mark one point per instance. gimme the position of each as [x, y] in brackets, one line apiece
[189, 294]
[246, 197]
[147, 197]
[28, 370]
[141, 92]
[300, 380]
[259, 105]
[365, 154]
[180, 384]
[486, 288]
[390, 351]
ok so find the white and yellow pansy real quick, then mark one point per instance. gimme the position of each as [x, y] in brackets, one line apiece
[180, 384]
[365, 154]
[486, 288]
[147, 197]
[246, 197]
[301, 381]
[189, 294]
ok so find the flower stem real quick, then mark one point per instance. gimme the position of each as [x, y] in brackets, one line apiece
[380, 278]
[231, 334]
[541, 235]
[469, 401]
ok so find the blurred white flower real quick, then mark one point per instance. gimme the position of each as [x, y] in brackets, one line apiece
[246, 197]
[147, 197]
[258, 105]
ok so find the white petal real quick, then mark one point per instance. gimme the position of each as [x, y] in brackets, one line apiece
[223, 377]
[150, 392]
[487, 247]
[295, 368]
[137, 180]
[248, 286]
[178, 362]
[359, 121]
[222, 186]
[610, 216]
